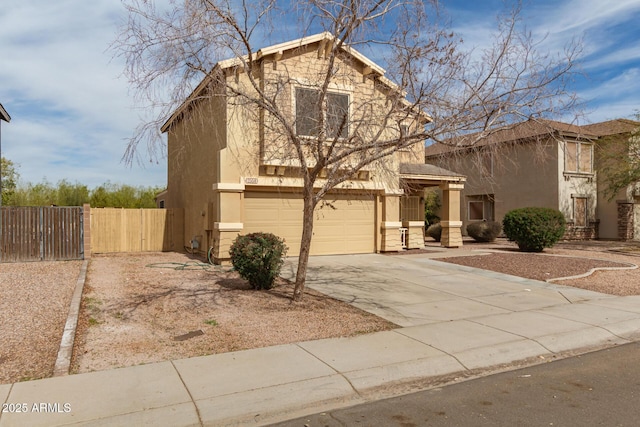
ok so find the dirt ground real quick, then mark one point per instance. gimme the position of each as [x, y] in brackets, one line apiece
[138, 308]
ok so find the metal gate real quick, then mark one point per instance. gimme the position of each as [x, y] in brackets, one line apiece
[41, 233]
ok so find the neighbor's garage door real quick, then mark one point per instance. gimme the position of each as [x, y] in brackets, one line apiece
[347, 229]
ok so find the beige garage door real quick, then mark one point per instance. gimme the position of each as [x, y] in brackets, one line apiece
[345, 227]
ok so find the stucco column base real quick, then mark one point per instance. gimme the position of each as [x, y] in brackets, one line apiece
[225, 239]
[415, 234]
[390, 232]
[451, 234]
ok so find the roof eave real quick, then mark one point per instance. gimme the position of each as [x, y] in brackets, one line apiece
[4, 115]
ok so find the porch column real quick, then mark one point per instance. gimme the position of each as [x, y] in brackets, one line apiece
[450, 222]
[391, 224]
[415, 234]
[228, 219]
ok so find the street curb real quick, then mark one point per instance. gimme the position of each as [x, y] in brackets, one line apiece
[63, 361]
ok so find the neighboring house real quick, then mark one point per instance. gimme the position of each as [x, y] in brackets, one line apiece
[619, 215]
[225, 168]
[535, 163]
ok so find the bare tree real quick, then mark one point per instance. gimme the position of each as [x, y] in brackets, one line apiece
[618, 160]
[432, 89]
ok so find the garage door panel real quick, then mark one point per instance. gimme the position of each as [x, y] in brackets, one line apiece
[349, 228]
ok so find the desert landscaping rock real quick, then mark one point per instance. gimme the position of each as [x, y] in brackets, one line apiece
[34, 302]
[132, 311]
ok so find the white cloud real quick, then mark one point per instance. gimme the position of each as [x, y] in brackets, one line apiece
[626, 85]
[71, 113]
[577, 16]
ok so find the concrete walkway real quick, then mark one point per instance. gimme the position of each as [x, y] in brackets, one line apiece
[456, 322]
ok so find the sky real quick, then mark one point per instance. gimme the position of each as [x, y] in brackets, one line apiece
[72, 110]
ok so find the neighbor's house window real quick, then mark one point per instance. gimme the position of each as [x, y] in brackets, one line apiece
[578, 157]
[480, 207]
[476, 210]
[580, 211]
[336, 119]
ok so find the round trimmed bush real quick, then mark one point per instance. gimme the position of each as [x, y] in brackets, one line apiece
[484, 231]
[435, 231]
[534, 229]
[258, 258]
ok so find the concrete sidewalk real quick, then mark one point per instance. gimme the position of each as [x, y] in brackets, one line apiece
[456, 322]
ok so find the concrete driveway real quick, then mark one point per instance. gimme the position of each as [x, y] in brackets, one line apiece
[412, 290]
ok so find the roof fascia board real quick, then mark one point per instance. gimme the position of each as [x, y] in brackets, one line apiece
[4, 115]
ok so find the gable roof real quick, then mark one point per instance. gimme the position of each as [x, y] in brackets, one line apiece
[298, 43]
[612, 127]
[529, 130]
[4, 115]
[325, 39]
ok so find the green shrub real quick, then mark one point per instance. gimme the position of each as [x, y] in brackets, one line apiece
[534, 229]
[258, 258]
[484, 231]
[432, 205]
[435, 231]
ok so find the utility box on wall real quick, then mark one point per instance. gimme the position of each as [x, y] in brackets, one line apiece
[208, 217]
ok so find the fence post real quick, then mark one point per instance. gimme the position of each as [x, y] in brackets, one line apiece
[41, 228]
[86, 226]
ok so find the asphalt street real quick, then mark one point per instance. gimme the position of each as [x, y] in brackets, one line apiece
[595, 389]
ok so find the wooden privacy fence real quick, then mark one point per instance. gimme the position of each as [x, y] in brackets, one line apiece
[136, 230]
[41, 233]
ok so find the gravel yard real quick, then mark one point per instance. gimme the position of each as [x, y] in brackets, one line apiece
[34, 302]
[570, 259]
[137, 308]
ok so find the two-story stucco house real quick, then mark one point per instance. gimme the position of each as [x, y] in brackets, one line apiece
[538, 163]
[232, 171]
[534, 163]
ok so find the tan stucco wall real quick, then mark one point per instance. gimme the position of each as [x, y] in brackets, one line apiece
[221, 149]
[523, 175]
[193, 165]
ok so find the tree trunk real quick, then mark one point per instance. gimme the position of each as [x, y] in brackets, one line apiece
[305, 244]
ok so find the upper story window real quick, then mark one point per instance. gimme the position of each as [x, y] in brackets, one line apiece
[336, 119]
[578, 157]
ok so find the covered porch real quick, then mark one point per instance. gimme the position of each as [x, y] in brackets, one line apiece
[414, 179]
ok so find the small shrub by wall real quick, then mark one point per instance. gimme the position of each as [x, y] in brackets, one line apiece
[435, 231]
[484, 231]
[258, 258]
[534, 229]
